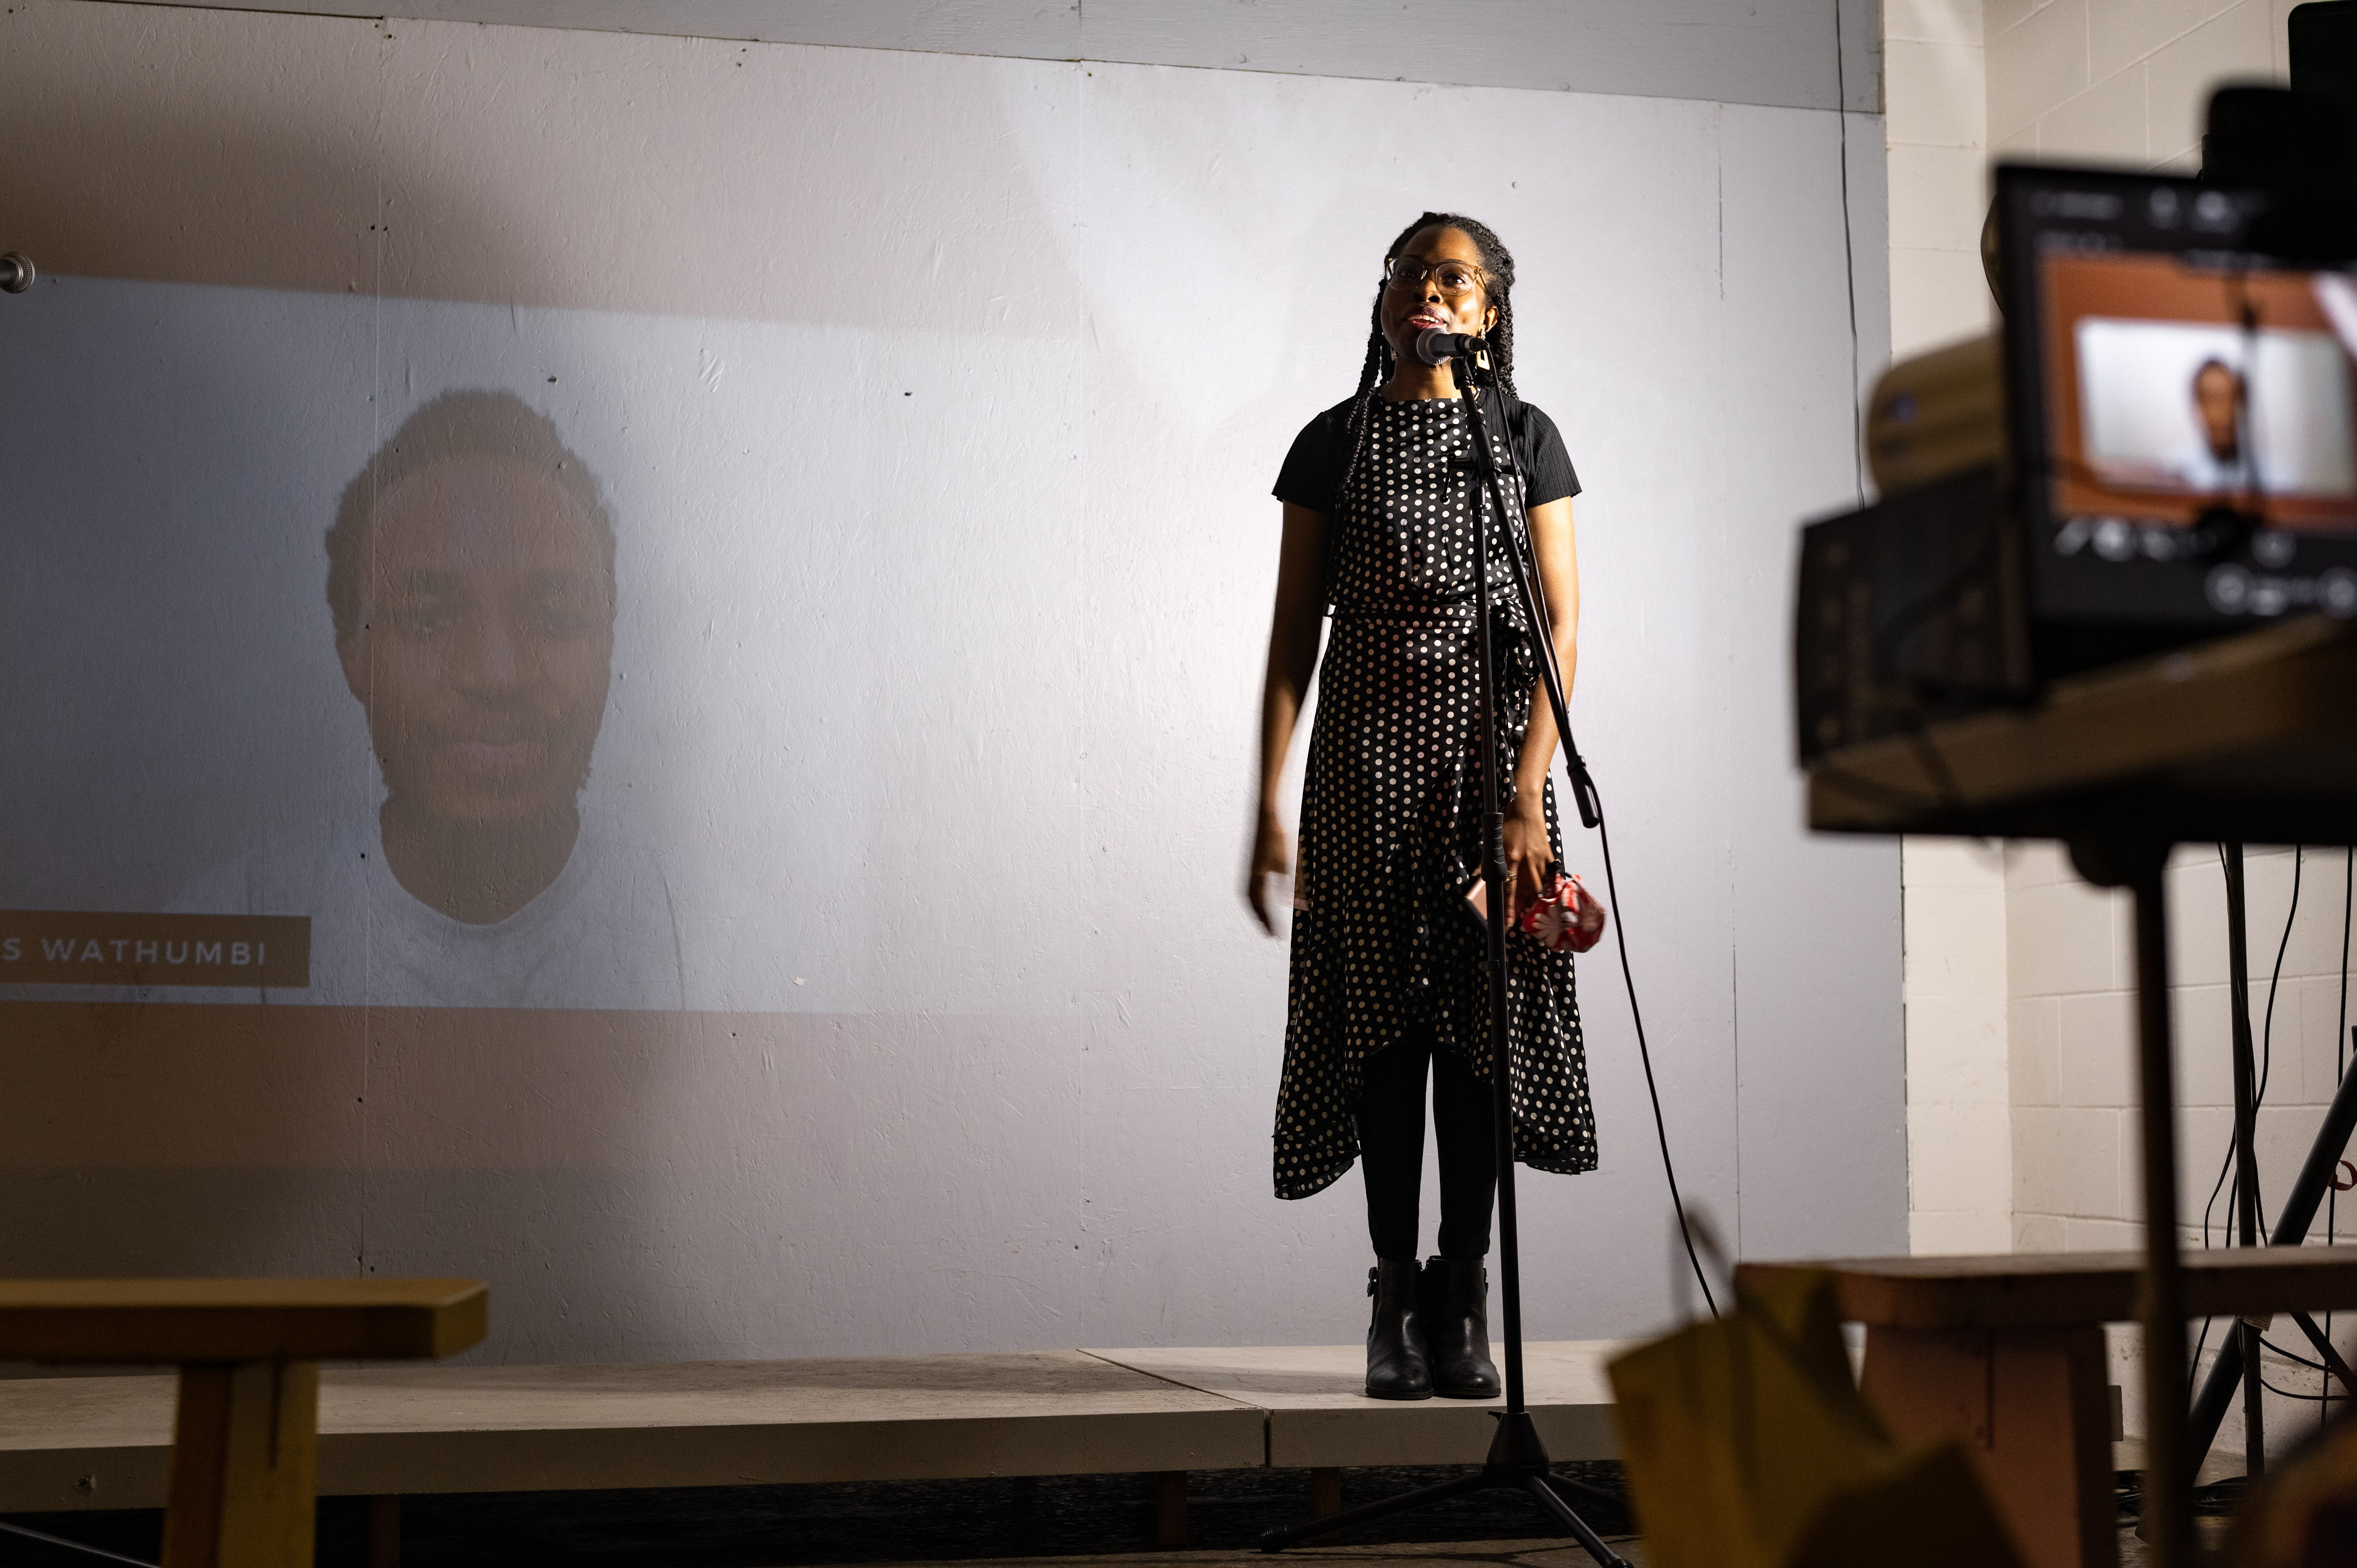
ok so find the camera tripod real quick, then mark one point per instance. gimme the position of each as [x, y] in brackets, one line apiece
[1517, 1457]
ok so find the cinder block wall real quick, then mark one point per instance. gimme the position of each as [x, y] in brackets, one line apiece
[2120, 81]
[1959, 1135]
[2125, 81]
[1935, 84]
[2020, 1006]
[2071, 1033]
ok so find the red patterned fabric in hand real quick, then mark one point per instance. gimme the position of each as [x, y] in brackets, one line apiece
[1565, 916]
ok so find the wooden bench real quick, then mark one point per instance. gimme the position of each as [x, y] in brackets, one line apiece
[2007, 1352]
[244, 1426]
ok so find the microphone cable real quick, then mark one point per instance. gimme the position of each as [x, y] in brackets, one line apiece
[1644, 1052]
[1850, 253]
[1577, 773]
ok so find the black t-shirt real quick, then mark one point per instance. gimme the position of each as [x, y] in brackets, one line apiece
[1314, 466]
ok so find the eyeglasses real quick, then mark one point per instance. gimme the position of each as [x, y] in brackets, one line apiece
[1454, 277]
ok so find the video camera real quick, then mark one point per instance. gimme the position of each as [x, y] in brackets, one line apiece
[2157, 447]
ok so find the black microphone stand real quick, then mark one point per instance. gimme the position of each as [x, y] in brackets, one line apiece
[1517, 1457]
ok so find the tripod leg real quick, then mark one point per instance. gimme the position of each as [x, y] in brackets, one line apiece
[2332, 1361]
[1286, 1535]
[1594, 1493]
[1604, 1556]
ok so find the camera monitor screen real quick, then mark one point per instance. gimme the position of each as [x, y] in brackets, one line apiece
[2183, 407]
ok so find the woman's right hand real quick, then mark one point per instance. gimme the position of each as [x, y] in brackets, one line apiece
[1272, 855]
[1294, 627]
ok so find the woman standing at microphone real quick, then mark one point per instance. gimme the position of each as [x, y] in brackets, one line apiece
[1387, 975]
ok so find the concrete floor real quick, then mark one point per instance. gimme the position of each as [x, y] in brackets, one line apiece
[1061, 1519]
[1431, 1554]
[1413, 1554]
[1525, 1553]
[1057, 1522]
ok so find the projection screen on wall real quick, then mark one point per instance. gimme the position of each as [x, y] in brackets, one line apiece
[551, 682]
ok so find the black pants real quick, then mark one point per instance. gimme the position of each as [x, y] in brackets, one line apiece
[1391, 1149]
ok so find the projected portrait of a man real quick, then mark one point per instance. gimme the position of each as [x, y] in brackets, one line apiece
[2219, 397]
[472, 587]
[470, 570]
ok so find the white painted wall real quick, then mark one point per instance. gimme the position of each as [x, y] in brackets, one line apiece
[1771, 53]
[1068, 1144]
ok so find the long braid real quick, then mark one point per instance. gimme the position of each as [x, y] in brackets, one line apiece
[1501, 347]
[1373, 372]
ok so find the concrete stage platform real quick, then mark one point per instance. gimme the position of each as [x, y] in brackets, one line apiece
[1315, 1418]
[104, 1443]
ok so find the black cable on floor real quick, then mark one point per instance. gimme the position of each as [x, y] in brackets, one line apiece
[49, 1540]
[2202, 1342]
[2339, 1050]
[2266, 1057]
[2225, 1165]
[2292, 1354]
[2259, 1096]
[2274, 980]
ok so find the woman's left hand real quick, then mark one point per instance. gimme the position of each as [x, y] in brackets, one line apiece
[1528, 855]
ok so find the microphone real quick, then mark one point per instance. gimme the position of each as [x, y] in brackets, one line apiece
[1435, 347]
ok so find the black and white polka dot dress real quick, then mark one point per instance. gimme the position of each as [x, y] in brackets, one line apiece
[1383, 938]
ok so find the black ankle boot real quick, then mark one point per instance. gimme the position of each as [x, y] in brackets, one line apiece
[1396, 1366]
[1457, 1328]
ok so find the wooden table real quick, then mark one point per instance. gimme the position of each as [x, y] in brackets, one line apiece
[2007, 1352]
[244, 1471]
[2248, 739]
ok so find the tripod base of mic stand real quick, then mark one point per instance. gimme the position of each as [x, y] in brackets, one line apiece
[1517, 1460]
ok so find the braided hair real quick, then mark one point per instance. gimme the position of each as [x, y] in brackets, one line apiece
[1498, 264]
